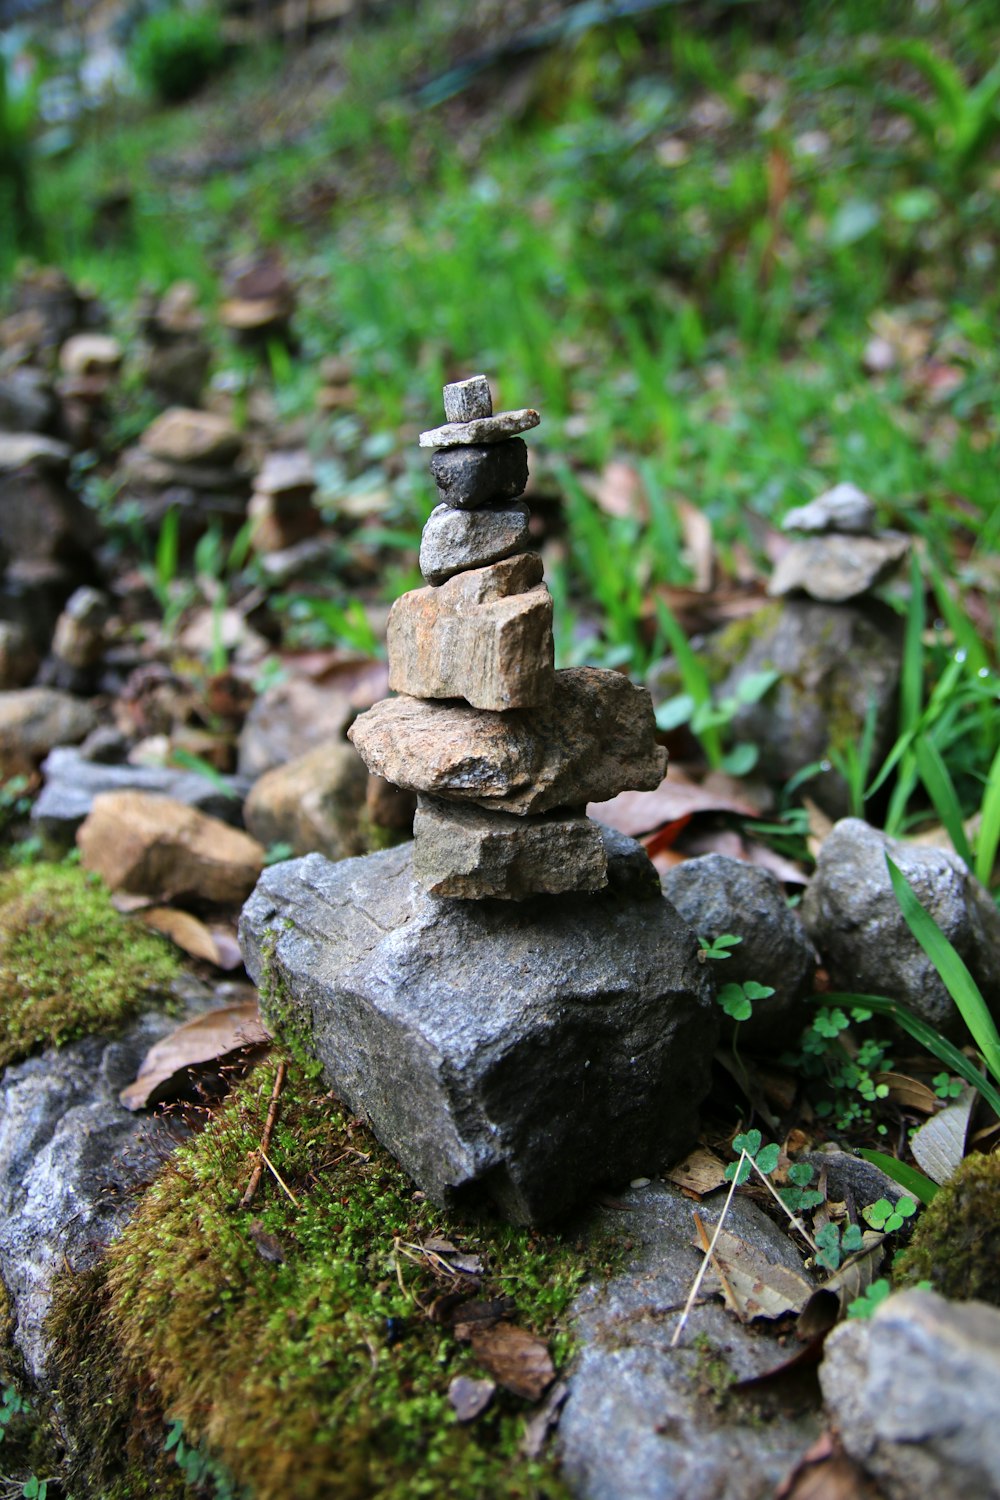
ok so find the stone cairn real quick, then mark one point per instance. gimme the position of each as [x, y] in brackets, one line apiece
[503, 751]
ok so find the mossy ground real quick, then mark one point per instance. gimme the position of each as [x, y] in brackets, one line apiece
[69, 963]
[956, 1244]
[320, 1375]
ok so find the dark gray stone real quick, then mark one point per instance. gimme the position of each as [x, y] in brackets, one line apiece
[26, 401]
[72, 781]
[851, 913]
[715, 894]
[466, 853]
[466, 399]
[455, 540]
[72, 1162]
[915, 1394]
[834, 662]
[639, 1423]
[471, 476]
[502, 1053]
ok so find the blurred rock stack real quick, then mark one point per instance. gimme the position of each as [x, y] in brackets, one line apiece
[503, 751]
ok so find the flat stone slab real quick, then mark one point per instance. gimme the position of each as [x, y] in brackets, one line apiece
[477, 475]
[470, 854]
[503, 1055]
[837, 567]
[484, 635]
[594, 738]
[455, 541]
[503, 424]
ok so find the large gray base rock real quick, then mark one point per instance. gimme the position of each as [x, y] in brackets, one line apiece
[915, 1393]
[640, 1422]
[470, 854]
[851, 913]
[512, 1054]
[716, 894]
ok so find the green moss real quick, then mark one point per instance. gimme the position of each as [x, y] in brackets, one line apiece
[291, 1374]
[727, 647]
[956, 1244]
[279, 1012]
[69, 964]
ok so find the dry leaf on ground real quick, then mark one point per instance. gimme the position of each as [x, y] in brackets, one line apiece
[207, 1038]
[939, 1145]
[641, 812]
[187, 932]
[753, 1287]
[700, 1172]
[517, 1360]
[910, 1093]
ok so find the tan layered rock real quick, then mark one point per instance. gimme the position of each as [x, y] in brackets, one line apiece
[594, 738]
[150, 845]
[466, 853]
[313, 803]
[484, 635]
[184, 436]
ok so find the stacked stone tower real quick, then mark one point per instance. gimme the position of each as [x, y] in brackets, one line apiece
[503, 751]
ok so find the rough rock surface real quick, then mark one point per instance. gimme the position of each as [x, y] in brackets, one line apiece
[72, 781]
[455, 540]
[467, 399]
[843, 508]
[639, 1422]
[715, 894]
[467, 853]
[185, 436]
[915, 1393]
[485, 636]
[41, 519]
[34, 720]
[851, 913]
[313, 803]
[471, 476]
[494, 429]
[834, 662]
[150, 845]
[72, 1161]
[91, 354]
[595, 737]
[294, 716]
[836, 568]
[518, 1058]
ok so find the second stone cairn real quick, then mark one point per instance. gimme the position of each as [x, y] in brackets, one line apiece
[503, 751]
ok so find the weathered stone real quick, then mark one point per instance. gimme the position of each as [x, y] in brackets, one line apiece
[286, 473]
[485, 636]
[851, 913]
[636, 1423]
[143, 470]
[518, 1061]
[73, 779]
[72, 1165]
[18, 657]
[456, 540]
[465, 400]
[177, 371]
[26, 402]
[79, 634]
[21, 450]
[91, 354]
[314, 803]
[844, 508]
[836, 666]
[467, 853]
[837, 568]
[494, 429]
[596, 737]
[153, 846]
[389, 807]
[294, 716]
[34, 720]
[281, 521]
[716, 894]
[41, 519]
[185, 436]
[472, 476]
[915, 1394]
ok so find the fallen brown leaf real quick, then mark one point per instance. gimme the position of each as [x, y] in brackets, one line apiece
[753, 1286]
[634, 813]
[207, 1038]
[910, 1093]
[463, 1313]
[619, 491]
[184, 930]
[517, 1360]
[700, 1172]
[698, 545]
[824, 1472]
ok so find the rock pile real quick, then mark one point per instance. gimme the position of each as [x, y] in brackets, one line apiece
[191, 461]
[840, 555]
[281, 509]
[176, 355]
[503, 751]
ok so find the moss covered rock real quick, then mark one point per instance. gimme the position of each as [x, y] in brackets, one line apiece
[956, 1244]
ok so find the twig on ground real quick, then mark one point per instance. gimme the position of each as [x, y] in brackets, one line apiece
[265, 1141]
[692, 1294]
[269, 1164]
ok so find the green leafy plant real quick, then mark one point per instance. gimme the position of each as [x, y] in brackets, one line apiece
[764, 1158]
[737, 999]
[841, 1070]
[957, 122]
[834, 1243]
[175, 51]
[888, 1217]
[18, 119]
[872, 1297]
[719, 947]
[799, 1197]
[12, 1404]
[198, 1468]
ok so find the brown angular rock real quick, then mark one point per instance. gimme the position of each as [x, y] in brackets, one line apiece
[152, 845]
[313, 803]
[296, 715]
[34, 720]
[471, 854]
[184, 436]
[485, 636]
[594, 738]
[837, 567]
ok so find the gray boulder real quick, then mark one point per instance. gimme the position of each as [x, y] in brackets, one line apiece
[646, 1422]
[715, 894]
[72, 782]
[518, 1054]
[851, 913]
[915, 1394]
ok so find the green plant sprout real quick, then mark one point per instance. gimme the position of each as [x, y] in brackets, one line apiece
[799, 1197]
[888, 1217]
[834, 1244]
[764, 1158]
[719, 947]
[946, 1087]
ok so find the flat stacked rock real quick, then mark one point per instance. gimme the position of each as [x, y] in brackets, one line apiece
[503, 751]
[281, 509]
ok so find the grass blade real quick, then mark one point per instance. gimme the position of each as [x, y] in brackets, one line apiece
[911, 683]
[989, 827]
[915, 1183]
[941, 790]
[955, 976]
